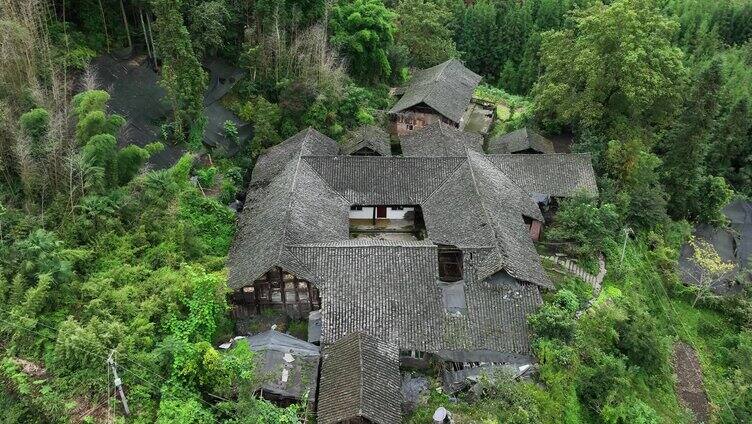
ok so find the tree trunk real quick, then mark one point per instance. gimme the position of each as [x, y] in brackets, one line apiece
[125, 22]
[104, 25]
[151, 37]
[146, 38]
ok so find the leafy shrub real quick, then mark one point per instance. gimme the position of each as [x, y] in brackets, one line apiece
[35, 123]
[630, 411]
[640, 340]
[566, 300]
[206, 176]
[231, 131]
[553, 322]
[265, 117]
[213, 222]
[586, 227]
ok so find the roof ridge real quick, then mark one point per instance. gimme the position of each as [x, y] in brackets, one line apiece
[334, 245]
[288, 212]
[359, 339]
[443, 134]
[541, 154]
[348, 157]
[485, 210]
[443, 68]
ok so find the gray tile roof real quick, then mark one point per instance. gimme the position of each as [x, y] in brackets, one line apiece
[557, 174]
[467, 202]
[274, 159]
[373, 180]
[439, 139]
[369, 137]
[360, 378]
[294, 207]
[298, 220]
[446, 88]
[391, 292]
[520, 140]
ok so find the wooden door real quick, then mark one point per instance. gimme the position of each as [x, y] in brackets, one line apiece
[380, 211]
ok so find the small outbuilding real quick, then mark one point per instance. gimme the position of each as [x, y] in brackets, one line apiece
[523, 140]
[360, 382]
[286, 367]
[440, 93]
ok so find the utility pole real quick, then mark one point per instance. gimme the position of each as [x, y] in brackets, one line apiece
[627, 232]
[118, 382]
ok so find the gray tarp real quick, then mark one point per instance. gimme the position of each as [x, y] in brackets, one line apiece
[136, 94]
[222, 77]
[733, 244]
[739, 214]
[286, 367]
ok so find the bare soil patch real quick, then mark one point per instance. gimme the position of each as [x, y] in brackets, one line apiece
[689, 385]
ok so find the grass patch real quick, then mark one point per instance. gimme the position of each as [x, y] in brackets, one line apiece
[705, 330]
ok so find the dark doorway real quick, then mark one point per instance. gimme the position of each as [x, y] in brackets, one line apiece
[380, 211]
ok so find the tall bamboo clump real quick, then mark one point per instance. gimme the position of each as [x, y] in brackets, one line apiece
[31, 77]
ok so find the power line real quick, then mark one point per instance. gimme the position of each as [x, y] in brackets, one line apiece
[725, 394]
[125, 370]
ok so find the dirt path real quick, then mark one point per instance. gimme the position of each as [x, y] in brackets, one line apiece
[689, 385]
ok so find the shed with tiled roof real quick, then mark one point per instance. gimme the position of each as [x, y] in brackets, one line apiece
[524, 140]
[360, 382]
[440, 93]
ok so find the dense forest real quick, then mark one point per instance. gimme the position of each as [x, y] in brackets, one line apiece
[102, 253]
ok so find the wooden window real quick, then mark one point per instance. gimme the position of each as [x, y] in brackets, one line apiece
[303, 291]
[290, 293]
[450, 263]
[263, 291]
[356, 208]
[276, 294]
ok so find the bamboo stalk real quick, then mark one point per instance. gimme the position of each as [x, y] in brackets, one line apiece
[151, 37]
[104, 25]
[125, 22]
[143, 26]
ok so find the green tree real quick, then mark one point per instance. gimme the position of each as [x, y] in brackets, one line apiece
[363, 30]
[730, 154]
[423, 28]
[35, 123]
[90, 109]
[632, 183]
[209, 26]
[182, 75]
[265, 117]
[587, 227]
[131, 158]
[694, 194]
[614, 70]
[478, 38]
[100, 152]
